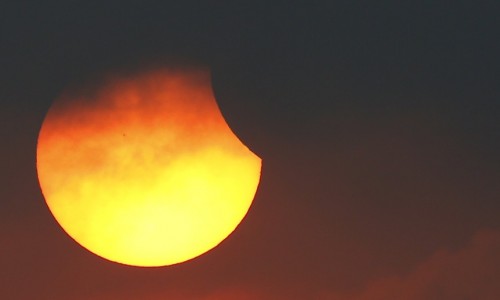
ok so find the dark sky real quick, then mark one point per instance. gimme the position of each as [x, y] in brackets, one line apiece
[377, 122]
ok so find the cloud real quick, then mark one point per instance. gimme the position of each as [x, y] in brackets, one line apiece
[228, 293]
[240, 294]
[472, 272]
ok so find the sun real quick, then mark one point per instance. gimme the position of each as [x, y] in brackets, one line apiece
[143, 170]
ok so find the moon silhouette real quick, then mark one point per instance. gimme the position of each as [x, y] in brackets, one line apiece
[143, 170]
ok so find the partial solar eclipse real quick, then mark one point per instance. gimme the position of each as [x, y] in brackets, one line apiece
[143, 170]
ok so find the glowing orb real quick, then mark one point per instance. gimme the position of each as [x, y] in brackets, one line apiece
[143, 170]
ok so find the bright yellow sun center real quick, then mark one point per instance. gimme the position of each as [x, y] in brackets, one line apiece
[145, 171]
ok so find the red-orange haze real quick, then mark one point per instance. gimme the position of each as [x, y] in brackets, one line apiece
[144, 170]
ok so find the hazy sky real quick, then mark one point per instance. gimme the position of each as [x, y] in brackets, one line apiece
[377, 122]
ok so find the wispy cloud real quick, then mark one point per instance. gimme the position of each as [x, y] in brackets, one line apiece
[472, 272]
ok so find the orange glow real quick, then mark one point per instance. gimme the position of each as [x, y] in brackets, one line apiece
[145, 171]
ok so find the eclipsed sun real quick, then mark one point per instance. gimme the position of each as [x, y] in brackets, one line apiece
[143, 170]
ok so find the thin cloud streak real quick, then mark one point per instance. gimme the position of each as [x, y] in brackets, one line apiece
[472, 272]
